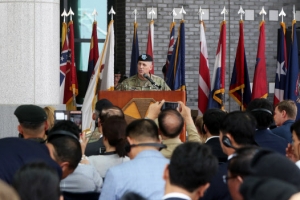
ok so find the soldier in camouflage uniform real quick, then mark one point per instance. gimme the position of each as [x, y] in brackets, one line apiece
[139, 82]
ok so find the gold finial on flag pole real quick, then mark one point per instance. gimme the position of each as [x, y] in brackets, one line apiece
[94, 14]
[263, 13]
[224, 12]
[64, 14]
[182, 12]
[282, 14]
[70, 13]
[242, 12]
[112, 13]
[201, 12]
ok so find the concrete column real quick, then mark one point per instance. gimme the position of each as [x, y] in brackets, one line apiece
[29, 52]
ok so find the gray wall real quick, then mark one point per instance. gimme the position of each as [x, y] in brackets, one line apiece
[251, 33]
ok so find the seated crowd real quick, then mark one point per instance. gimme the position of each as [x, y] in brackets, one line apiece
[226, 156]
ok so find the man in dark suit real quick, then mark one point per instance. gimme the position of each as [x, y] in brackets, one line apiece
[237, 130]
[191, 167]
[285, 114]
[212, 120]
[262, 110]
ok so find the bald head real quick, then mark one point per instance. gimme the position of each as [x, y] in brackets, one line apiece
[170, 123]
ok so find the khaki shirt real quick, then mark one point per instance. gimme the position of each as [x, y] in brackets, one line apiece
[134, 83]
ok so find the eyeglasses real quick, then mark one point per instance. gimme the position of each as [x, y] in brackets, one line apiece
[226, 178]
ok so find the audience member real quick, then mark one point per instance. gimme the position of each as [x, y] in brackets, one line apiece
[284, 116]
[7, 192]
[132, 196]
[33, 122]
[255, 188]
[199, 125]
[236, 130]
[171, 123]
[191, 168]
[62, 152]
[292, 151]
[85, 178]
[262, 109]
[50, 116]
[98, 147]
[114, 140]
[143, 173]
[212, 120]
[37, 181]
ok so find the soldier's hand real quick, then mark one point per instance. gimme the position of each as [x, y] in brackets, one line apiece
[154, 109]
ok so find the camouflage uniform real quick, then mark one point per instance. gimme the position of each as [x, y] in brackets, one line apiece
[134, 83]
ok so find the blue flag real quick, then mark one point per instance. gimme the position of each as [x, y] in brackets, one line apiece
[176, 70]
[280, 79]
[291, 88]
[135, 52]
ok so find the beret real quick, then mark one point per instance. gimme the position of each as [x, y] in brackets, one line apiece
[30, 113]
[145, 57]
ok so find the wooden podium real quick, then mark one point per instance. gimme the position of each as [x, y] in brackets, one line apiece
[135, 103]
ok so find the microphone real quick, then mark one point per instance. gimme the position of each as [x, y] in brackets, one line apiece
[151, 81]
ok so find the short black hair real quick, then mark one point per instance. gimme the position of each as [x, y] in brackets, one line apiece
[241, 126]
[32, 125]
[262, 110]
[296, 127]
[114, 131]
[142, 128]
[192, 165]
[35, 181]
[240, 163]
[212, 119]
[67, 149]
[167, 129]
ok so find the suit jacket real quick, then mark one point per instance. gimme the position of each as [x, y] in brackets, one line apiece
[142, 175]
[93, 148]
[217, 151]
[267, 139]
[218, 190]
[284, 130]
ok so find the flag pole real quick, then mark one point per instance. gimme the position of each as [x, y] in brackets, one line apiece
[263, 13]
[182, 12]
[173, 13]
[135, 13]
[95, 13]
[112, 13]
[242, 12]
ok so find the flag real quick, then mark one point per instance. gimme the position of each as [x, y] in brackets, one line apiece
[176, 71]
[63, 62]
[134, 52]
[94, 52]
[259, 89]
[170, 49]
[204, 77]
[239, 88]
[105, 69]
[280, 79]
[215, 99]
[71, 84]
[150, 43]
[292, 85]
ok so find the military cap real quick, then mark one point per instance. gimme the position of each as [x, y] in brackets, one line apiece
[30, 113]
[145, 58]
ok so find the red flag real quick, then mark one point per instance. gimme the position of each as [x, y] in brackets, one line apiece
[259, 89]
[71, 84]
[204, 77]
[150, 43]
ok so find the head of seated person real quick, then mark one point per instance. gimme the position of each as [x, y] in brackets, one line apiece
[285, 110]
[212, 120]
[37, 181]
[170, 123]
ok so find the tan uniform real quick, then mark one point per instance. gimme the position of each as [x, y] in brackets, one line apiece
[134, 83]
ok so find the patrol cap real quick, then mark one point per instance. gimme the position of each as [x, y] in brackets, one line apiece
[30, 113]
[145, 58]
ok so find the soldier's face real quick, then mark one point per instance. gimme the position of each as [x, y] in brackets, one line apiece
[144, 68]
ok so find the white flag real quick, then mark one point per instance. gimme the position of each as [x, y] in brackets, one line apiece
[105, 67]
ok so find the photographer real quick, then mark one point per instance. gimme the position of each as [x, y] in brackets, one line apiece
[171, 122]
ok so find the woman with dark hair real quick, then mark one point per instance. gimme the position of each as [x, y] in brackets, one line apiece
[114, 140]
[37, 181]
